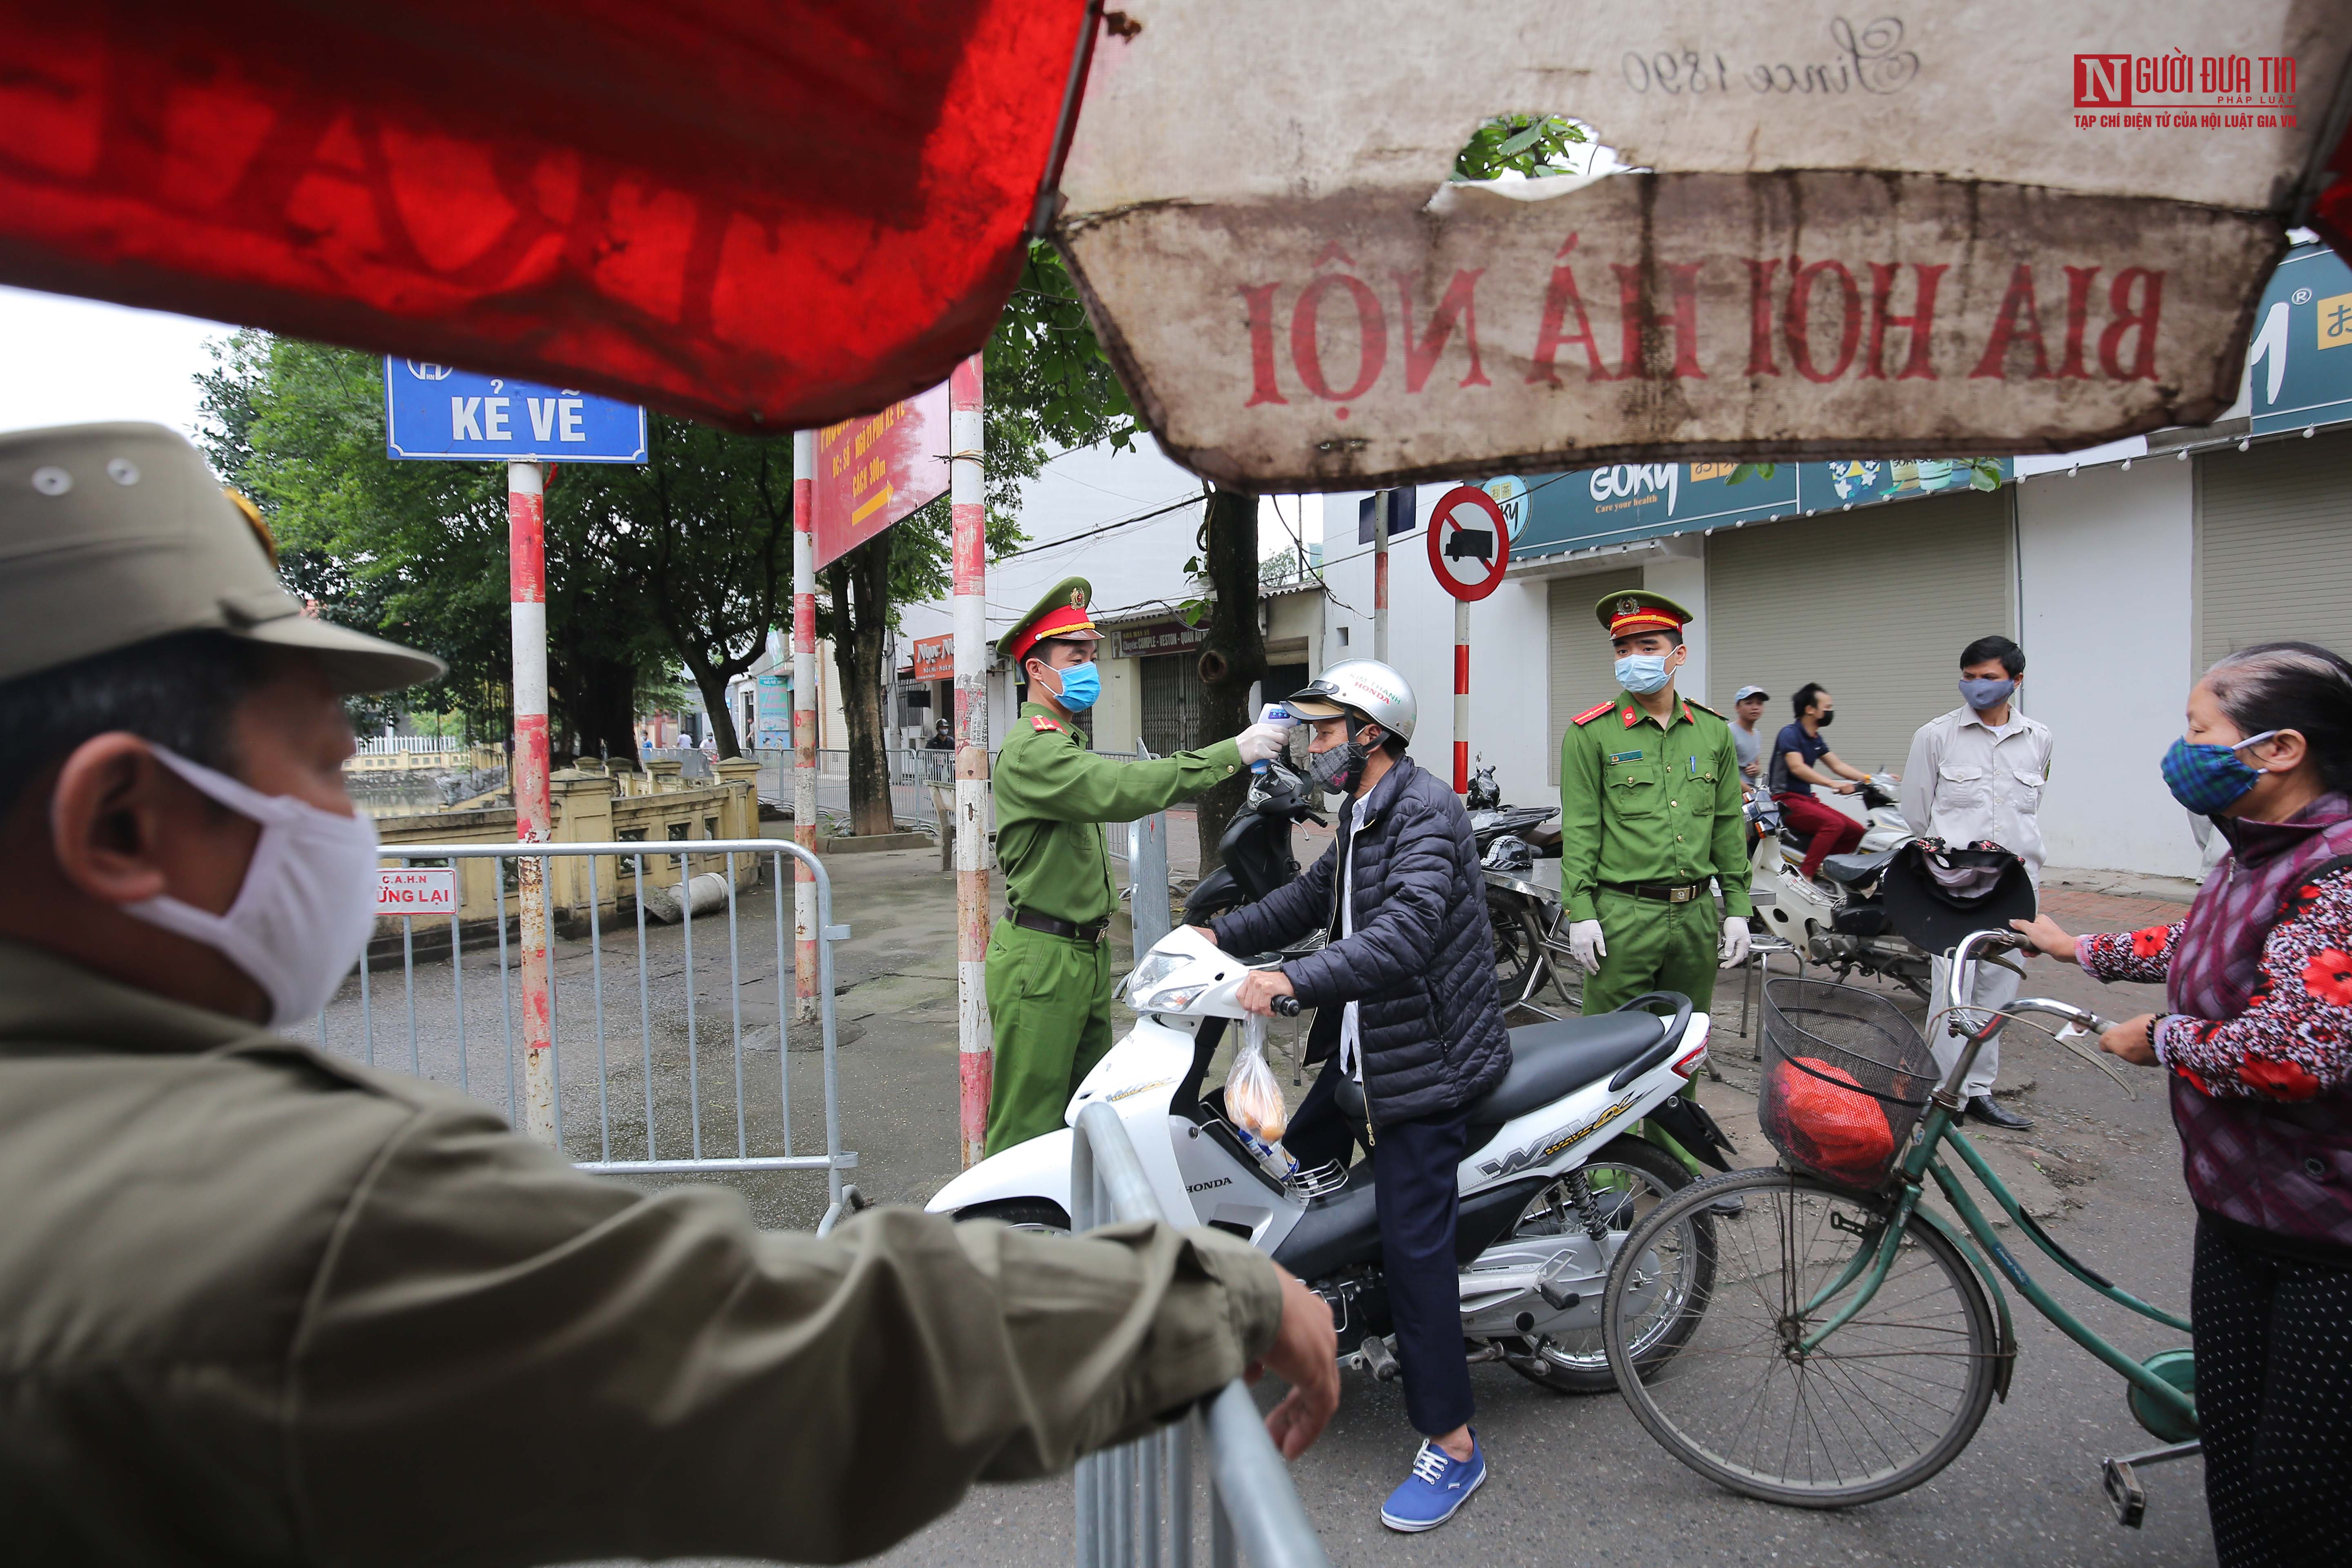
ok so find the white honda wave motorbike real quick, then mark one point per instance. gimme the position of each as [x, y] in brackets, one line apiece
[1555, 1178]
[1835, 919]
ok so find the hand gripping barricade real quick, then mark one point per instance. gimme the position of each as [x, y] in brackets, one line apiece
[461, 1032]
[1135, 1501]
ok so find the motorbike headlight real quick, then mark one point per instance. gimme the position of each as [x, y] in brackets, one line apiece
[1155, 968]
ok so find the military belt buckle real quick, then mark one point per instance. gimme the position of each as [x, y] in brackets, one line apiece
[1682, 894]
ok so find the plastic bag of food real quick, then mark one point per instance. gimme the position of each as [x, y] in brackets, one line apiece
[1253, 1099]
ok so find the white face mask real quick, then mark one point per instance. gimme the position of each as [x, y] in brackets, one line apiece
[307, 903]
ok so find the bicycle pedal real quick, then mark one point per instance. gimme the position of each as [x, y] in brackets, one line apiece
[2125, 1493]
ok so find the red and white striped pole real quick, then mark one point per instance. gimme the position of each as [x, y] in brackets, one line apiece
[527, 621]
[975, 1059]
[1461, 697]
[804, 931]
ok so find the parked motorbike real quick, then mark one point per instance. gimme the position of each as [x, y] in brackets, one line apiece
[1522, 896]
[1837, 918]
[1556, 1177]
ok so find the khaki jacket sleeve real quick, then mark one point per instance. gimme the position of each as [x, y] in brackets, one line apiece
[1064, 782]
[506, 1362]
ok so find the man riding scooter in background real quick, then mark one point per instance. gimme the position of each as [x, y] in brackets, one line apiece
[1409, 1009]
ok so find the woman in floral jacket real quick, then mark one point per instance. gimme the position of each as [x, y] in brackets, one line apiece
[2258, 1043]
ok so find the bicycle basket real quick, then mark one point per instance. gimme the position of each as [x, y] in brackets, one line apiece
[1846, 1077]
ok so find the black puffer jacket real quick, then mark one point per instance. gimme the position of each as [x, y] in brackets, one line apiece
[1421, 959]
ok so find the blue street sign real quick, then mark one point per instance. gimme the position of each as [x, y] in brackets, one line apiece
[434, 411]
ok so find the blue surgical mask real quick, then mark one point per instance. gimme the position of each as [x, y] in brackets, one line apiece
[2210, 779]
[1643, 673]
[1983, 693]
[1081, 685]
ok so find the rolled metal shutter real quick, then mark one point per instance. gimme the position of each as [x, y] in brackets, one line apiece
[2274, 545]
[1582, 663]
[1876, 605]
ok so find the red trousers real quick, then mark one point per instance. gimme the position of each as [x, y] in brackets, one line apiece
[1833, 831]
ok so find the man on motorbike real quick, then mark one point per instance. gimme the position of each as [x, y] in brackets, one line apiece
[1802, 759]
[1408, 1007]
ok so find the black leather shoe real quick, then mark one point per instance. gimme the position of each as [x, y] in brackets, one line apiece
[1981, 1107]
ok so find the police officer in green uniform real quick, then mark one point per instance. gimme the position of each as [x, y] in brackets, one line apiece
[1650, 809]
[1049, 976]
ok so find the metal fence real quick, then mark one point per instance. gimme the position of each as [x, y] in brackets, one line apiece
[707, 1103]
[1135, 1503]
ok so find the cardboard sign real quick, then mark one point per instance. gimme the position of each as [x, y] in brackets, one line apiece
[416, 891]
[1823, 232]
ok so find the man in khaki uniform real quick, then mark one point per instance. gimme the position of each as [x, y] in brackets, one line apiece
[262, 1305]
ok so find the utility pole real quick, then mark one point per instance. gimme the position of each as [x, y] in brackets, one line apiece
[805, 933]
[967, 495]
[527, 623]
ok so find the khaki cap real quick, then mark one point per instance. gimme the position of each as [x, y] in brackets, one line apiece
[114, 534]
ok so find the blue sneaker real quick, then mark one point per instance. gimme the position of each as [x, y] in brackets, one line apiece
[1440, 1484]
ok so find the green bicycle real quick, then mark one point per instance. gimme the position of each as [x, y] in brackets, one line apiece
[1850, 1341]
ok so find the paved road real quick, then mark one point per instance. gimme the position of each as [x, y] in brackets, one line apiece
[1575, 1479]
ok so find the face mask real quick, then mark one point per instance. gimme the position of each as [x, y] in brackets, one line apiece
[1643, 673]
[1981, 694]
[1824, 721]
[2210, 779]
[307, 904]
[1081, 685]
[1335, 772]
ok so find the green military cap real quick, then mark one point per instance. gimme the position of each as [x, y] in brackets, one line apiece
[116, 534]
[1062, 612]
[1632, 610]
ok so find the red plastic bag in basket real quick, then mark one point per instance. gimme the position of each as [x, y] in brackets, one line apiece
[1838, 1131]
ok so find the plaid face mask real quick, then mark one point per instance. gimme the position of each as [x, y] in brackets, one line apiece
[2209, 778]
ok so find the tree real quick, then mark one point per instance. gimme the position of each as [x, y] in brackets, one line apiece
[1048, 386]
[706, 528]
[1233, 651]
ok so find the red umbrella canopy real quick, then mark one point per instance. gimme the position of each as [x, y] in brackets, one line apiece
[769, 213]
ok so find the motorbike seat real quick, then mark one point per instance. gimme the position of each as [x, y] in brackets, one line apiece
[1552, 1060]
[1849, 870]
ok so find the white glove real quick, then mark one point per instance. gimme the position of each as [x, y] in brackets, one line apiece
[1263, 742]
[1735, 942]
[1584, 940]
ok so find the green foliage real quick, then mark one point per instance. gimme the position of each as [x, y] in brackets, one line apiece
[1743, 472]
[415, 552]
[1529, 144]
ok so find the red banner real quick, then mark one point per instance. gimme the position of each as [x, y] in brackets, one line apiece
[873, 471]
[935, 658]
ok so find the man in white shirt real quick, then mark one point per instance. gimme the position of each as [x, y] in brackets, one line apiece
[1977, 773]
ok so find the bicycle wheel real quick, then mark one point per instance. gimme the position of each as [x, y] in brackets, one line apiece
[1879, 1406]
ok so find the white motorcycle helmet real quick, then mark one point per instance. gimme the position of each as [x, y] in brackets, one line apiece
[1365, 685]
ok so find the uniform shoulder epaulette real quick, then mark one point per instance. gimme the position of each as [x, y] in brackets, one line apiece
[1694, 703]
[1040, 723]
[1589, 714]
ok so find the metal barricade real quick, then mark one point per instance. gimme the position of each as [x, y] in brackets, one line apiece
[1135, 1503]
[444, 1043]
